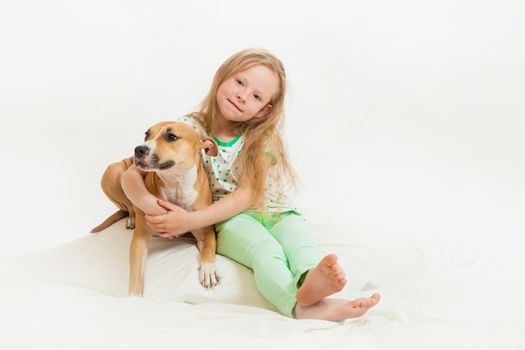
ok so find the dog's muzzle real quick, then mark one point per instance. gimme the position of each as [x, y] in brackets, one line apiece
[142, 161]
[141, 151]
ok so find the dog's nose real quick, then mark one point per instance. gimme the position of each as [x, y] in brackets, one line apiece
[141, 151]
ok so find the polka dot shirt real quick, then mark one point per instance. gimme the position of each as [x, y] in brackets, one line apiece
[223, 173]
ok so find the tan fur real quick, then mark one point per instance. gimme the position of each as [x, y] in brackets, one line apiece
[185, 152]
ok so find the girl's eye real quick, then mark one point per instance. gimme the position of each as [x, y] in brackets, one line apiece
[239, 81]
[171, 137]
[258, 98]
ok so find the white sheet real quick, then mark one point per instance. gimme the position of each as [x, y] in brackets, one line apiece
[74, 296]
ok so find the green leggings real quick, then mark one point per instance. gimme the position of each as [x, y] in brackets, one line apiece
[278, 247]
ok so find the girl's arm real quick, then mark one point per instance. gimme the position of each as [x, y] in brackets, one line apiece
[133, 185]
[231, 205]
[178, 221]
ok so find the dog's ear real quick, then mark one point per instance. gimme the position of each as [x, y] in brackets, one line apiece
[210, 146]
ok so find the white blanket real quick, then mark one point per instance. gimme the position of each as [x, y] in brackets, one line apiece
[74, 296]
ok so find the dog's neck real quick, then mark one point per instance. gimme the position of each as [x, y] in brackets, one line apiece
[179, 188]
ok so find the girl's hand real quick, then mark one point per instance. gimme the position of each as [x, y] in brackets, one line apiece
[173, 224]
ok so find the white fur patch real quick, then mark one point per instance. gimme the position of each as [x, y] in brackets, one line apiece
[180, 188]
[152, 144]
[208, 276]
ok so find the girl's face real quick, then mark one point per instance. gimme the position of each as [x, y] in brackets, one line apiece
[246, 95]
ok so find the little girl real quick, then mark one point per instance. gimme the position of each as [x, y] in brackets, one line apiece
[256, 224]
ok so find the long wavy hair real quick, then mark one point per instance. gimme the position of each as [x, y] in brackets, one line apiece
[259, 133]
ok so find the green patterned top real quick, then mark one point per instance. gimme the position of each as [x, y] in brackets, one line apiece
[223, 173]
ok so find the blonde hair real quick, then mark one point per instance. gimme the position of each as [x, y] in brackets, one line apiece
[258, 132]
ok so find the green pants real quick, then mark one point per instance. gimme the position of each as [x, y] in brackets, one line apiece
[278, 247]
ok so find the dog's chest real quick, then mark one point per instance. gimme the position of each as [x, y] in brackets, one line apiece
[180, 189]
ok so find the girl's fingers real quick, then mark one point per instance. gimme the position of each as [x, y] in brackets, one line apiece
[158, 229]
[160, 219]
[155, 219]
[166, 205]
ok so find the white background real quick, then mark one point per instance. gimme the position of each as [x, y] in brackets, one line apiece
[403, 117]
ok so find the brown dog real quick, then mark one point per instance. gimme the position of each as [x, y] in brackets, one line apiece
[171, 161]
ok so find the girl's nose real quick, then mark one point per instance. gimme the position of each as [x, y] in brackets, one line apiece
[241, 97]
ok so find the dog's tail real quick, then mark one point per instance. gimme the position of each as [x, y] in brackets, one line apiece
[120, 214]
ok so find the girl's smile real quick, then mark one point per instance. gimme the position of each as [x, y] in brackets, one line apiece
[246, 94]
[235, 105]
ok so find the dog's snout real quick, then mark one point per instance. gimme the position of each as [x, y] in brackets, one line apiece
[141, 151]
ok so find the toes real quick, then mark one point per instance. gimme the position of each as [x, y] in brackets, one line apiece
[214, 279]
[355, 303]
[202, 277]
[329, 266]
[330, 260]
[130, 223]
[208, 276]
[336, 269]
[375, 299]
[365, 303]
[342, 281]
[372, 301]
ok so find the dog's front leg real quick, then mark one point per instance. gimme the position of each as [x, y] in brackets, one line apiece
[206, 243]
[137, 256]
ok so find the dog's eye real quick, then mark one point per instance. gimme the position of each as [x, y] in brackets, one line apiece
[171, 137]
[147, 134]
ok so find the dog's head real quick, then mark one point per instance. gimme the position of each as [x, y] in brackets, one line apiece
[172, 146]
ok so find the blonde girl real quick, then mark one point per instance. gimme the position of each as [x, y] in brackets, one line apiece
[256, 223]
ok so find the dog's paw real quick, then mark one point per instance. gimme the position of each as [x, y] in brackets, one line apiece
[208, 276]
[130, 223]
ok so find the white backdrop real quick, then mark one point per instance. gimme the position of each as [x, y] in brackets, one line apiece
[402, 117]
[405, 122]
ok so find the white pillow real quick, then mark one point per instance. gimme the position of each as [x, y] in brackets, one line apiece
[101, 262]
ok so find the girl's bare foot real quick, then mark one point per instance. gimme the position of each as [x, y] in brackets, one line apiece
[331, 309]
[323, 280]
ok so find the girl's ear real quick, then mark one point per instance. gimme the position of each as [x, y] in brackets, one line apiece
[264, 112]
[210, 146]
